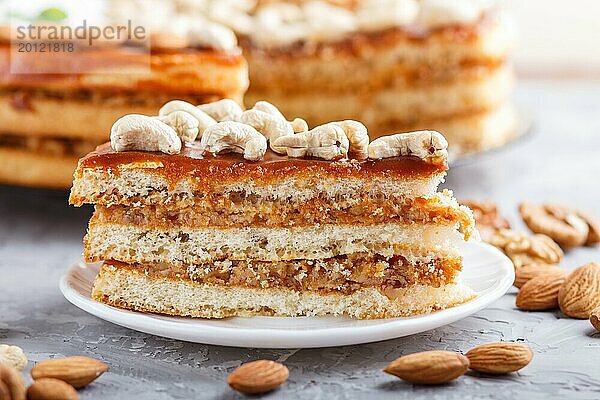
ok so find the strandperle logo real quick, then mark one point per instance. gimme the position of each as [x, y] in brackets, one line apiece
[50, 25]
[81, 32]
[53, 43]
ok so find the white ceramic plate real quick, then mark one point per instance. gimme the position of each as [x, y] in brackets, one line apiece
[486, 270]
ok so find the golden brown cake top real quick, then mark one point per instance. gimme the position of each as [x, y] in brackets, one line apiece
[194, 162]
[203, 148]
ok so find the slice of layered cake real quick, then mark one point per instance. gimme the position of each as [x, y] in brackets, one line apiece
[260, 216]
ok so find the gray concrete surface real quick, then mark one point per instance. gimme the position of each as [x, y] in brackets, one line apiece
[40, 236]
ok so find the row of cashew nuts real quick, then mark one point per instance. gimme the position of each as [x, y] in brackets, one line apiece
[223, 126]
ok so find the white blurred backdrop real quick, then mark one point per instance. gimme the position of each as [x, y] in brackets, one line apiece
[557, 38]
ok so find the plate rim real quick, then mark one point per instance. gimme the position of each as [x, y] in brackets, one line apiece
[266, 337]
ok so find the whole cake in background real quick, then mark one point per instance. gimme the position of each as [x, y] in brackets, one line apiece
[243, 213]
[48, 121]
[395, 65]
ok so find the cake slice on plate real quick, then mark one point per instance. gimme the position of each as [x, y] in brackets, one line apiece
[260, 216]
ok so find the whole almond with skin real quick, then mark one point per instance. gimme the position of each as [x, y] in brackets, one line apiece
[499, 358]
[595, 318]
[258, 377]
[429, 367]
[580, 293]
[76, 371]
[12, 385]
[540, 293]
[530, 271]
[51, 389]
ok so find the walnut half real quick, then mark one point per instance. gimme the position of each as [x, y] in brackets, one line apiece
[524, 249]
[563, 224]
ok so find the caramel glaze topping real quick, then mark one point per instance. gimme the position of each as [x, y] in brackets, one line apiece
[192, 162]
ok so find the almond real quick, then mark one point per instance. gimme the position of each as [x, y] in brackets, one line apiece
[12, 385]
[499, 358]
[530, 271]
[595, 318]
[51, 389]
[429, 367]
[580, 293]
[76, 371]
[258, 376]
[540, 293]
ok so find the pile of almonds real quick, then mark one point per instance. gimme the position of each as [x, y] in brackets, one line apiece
[54, 379]
[543, 284]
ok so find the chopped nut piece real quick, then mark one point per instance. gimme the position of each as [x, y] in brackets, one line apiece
[487, 219]
[525, 249]
[557, 222]
[13, 355]
[592, 222]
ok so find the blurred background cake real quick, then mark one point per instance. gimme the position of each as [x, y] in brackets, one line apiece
[396, 65]
[50, 116]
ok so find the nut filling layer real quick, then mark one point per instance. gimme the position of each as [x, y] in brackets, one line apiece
[339, 274]
[238, 209]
